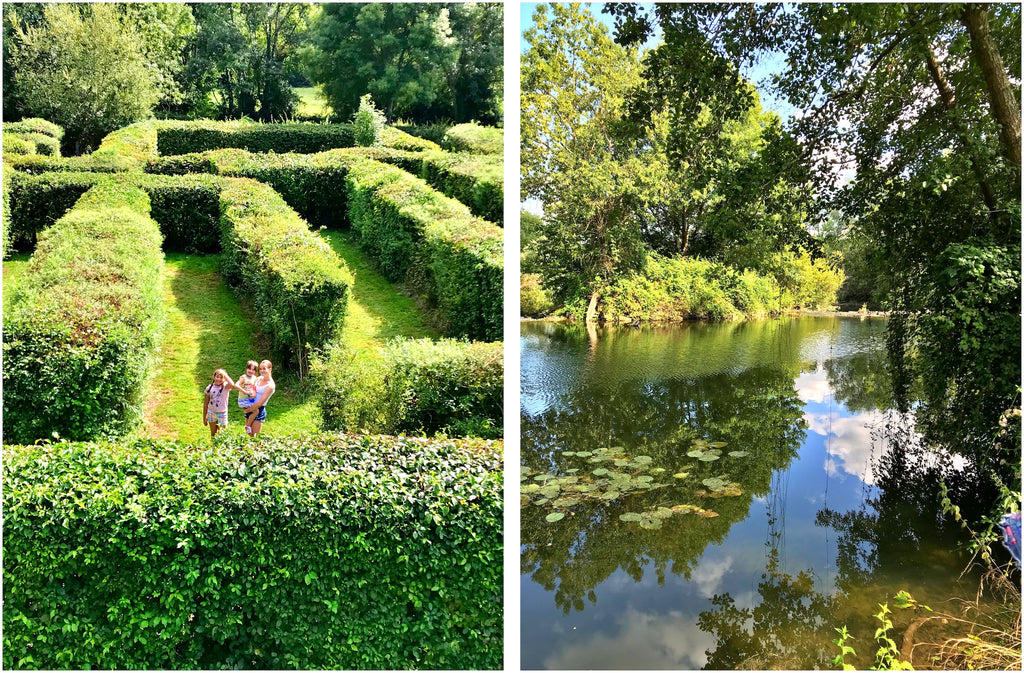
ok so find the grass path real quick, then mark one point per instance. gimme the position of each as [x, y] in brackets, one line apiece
[14, 268]
[208, 327]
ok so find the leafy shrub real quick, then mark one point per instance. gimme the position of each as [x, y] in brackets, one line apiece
[37, 164]
[325, 552]
[474, 138]
[367, 123]
[34, 125]
[36, 202]
[672, 288]
[299, 286]
[190, 137]
[811, 283]
[534, 300]
[40, 143]
[400, 140]
[137, 142]
[80, 329]
[16, 145]
[414, 386]
[453, 259]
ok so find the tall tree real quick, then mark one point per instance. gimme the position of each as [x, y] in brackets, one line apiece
[395, 52]
[83, 69]
[918, 104]
[574, 83]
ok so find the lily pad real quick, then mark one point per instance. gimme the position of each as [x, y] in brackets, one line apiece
[696, 453]
[630, 516]
[554, 516]
[650, 524]
[565, 502]
[681, 475]
[657, 470]
[583, 454]
[542, 501]
[621, 463]
[610, 495]
[717, 445]
[530, 488]
[524, 500]
[738, 454]
[599, 472]
[550, 491]
[543, 477]
[646, 479]
[661, 513]
[643, 460]
[568, 453]
[708, 457]
[707, 514]
[573, 470]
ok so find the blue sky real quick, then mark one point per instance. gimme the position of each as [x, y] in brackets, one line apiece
[759, 73]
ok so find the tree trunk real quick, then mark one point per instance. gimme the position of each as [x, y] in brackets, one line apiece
[592, 307]
[949, 100]
[1000, 92]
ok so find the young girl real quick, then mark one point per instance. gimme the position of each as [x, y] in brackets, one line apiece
[215, 403]
[247, 387]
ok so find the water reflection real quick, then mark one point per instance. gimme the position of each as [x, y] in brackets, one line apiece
[761, 583]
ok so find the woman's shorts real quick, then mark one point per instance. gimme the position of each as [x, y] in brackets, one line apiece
[246, 402]
[218, 417]
[262, 415]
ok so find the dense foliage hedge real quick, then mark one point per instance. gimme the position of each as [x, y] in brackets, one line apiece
[298, 284]
[186, 207]
[308, 182]
[34, 125]
[326, 552]
[31, 143]
[434, 243]
[82, 324]
[474, 138]
[414, 386]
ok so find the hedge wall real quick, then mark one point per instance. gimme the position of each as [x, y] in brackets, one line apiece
[83, 322]
[326, 552]
[298, 284]
[413, 386]
[474, 138]
[416, 234]
[34, 125]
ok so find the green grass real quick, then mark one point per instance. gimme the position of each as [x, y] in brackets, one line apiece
[14, 268]
[310, 102]
[207, 329]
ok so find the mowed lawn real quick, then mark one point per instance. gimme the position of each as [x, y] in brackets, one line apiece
[209, 327]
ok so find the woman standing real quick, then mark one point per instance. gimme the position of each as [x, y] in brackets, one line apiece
[265, 387]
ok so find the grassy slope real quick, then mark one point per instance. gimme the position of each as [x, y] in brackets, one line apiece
[208, 329]
[310, 102]
[14, 268]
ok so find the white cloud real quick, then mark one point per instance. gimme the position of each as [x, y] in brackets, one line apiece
[813, 386]
[645, 641]
[708, 575]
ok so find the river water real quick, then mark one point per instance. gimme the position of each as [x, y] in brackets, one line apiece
[719, 496]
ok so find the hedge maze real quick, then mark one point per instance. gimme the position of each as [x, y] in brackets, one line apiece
[329, 550]
[255, 193]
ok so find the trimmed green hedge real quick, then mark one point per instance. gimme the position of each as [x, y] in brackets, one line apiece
[186, 207]
[35, 125]
[432, 242]
[414, 386]
[325, 552]
[473, 137]
[83, 322]
[39, 143]
[15, 145]
[298, 284]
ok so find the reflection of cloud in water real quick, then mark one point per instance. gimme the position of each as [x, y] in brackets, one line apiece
[812, 386]
[851, 448]
[708, 575]
[644, 642]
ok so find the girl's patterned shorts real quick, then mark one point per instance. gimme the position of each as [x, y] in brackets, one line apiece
[218, 417]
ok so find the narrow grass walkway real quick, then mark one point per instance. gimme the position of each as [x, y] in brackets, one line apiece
[208, 328]
[14, 268]
[377, 311]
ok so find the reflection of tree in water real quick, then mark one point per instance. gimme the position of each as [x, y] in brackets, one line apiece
[861, 381]
[896, 528]
[893, 540]
[756, 411]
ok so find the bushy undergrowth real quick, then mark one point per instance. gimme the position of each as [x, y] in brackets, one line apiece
[414, 386]
[534, 300]
[325, 552]
[678, 288]
[35, 125]
[81, 327]
[473, 137]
